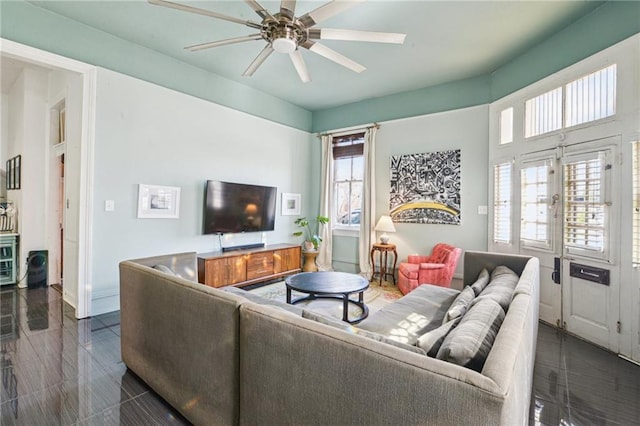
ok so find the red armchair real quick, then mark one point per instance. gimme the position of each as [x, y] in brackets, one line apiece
[436, 269]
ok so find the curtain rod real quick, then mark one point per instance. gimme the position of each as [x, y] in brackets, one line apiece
[340, 132]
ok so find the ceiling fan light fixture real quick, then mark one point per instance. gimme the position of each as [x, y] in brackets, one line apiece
[284, 45]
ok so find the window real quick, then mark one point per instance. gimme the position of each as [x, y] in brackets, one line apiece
[584, 221]
[636, 203]
[502, 202]
[591, 97]
[586, 99]
[536, 184]
[348, 175]
[543, 113]
[506, 126]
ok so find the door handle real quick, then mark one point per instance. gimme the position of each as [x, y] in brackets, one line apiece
[556, 275]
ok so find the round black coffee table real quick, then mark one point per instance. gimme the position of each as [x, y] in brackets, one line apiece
[330, 285]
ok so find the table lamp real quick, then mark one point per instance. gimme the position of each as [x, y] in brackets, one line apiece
[385, 224]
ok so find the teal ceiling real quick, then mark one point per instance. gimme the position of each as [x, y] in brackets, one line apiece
[446, 41]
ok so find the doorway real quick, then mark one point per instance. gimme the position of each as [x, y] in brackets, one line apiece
[567, 204]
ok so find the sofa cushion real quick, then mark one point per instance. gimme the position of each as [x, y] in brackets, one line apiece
[431, 341]
[322, 319]
[459, 305]
[413, 315]
[481, 282]
[501, 287]
[164, 268]
[263, 300]
[469, 343]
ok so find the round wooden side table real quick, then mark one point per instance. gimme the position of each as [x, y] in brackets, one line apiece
[309, 264]
[384, 250]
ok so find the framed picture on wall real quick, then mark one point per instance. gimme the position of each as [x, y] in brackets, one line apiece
[158, 202]
[290, 204]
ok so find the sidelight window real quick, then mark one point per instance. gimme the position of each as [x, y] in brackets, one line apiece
[502, 202]
[636, 203]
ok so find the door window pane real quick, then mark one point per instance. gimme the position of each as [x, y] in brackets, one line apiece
[535, 227]
[584, 210]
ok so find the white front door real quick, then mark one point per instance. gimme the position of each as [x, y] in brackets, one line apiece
[590, 267]
[540, 227]
[567, 196]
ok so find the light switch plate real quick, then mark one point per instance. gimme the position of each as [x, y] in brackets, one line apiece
[109, 205]
[482, 210]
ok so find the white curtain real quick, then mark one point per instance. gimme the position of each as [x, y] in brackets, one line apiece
[368, 209]
[326, 193]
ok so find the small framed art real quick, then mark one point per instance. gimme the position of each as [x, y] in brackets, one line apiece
[290, 204]
[158, 202]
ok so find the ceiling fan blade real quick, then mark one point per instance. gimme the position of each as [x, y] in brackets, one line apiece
[326, 11]
[261, 11]
[234, 40]
[301, 67]
[264, 54]
[288, 8]
[204, 12]
[355, 35]
[323, 50]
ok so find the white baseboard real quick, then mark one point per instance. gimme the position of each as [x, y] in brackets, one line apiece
[103, 302]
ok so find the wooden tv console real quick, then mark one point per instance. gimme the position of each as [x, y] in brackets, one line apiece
[243, 267]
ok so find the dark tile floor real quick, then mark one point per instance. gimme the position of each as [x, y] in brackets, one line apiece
[57, 370]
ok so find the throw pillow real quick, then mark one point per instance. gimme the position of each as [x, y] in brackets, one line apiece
[501, 270]
[459, 305]
[470, 342]
[499, 294]
[430, 342]
[500, 288]
[164, 268]
[481, 282]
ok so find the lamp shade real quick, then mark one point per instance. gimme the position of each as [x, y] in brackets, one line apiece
[385, 224]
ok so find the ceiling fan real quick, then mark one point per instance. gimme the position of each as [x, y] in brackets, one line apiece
[286, 33]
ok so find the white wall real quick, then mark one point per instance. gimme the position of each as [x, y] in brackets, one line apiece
[152, 135]
[465, 129]
[4, 142]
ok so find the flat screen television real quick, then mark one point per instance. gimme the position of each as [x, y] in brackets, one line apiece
[237, 207]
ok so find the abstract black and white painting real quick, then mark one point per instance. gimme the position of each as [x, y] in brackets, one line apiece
[425, 188]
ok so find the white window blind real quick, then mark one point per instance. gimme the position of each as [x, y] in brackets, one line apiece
[591, 97]
[502, 202]
[636, 203]
[506, 126]
[535, 224]
[543, 113]
[584, 206]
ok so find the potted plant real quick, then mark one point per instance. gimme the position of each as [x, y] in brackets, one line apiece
[312, 239]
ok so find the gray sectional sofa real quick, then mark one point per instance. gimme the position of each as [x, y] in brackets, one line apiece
[220, 358]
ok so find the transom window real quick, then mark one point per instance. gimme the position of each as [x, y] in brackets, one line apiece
[348, 175]
[580, 101]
